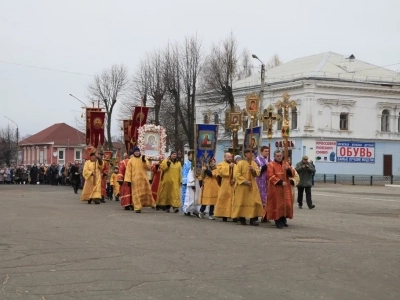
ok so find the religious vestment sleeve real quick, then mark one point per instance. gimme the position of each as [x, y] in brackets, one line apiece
[223, 169]
[128, 172]
[271, 174]
[240, 171]
[87, 173]
[256, 168]
[164, 166]
[121, 171]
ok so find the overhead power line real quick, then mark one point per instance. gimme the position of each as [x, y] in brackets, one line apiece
[46, 69]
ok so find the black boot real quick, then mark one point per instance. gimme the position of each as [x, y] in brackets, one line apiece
[253, 222]
[278, 224]
[235, 220]
[138, 211]
[224, 219]
[102, 199]
[242, 221]
[127, 208]
[96, 202]
[89, 202]
[284, 222]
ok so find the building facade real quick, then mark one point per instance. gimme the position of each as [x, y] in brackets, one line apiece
[347, 117]
[59, 143]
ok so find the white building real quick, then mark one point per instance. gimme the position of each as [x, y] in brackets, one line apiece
[347, 116]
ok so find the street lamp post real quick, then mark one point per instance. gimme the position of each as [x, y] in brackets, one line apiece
[262, 83]
[17, 133]
[78, 100]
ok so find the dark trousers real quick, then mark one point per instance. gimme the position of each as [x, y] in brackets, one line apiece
[110, 190]
[210, 212]
[300, 191]
[75, 185]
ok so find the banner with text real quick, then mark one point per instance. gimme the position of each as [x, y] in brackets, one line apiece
[325, 151]
[355, 152]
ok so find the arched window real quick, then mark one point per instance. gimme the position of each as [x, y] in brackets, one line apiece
[216, 118]
[294, 118]
[385, 121]
[279, 124]
[206, 119]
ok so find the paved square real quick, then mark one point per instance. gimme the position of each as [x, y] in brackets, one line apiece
[52, 246]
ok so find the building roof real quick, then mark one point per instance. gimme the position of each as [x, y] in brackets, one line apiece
[329, 65]
[57, 134]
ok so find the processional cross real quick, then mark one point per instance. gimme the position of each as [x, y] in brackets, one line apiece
[285, 105]
[269, 118]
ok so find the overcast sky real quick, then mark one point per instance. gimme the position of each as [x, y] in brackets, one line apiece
[83, 37]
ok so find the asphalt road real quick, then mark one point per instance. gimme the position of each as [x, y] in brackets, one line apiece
[52, 246]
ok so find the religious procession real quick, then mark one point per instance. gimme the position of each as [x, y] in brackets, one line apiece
[247, 187]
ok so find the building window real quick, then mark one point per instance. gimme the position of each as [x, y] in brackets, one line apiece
[294, 118]
[216, 118]
[344, 121]
[206, 119]
[385, 121]
[77, 154]
[265, 123]
[279, 124]
[398, 123]
[61, 154]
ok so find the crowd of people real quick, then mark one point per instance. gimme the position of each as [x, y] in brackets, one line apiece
[240, 189]
[54, 174]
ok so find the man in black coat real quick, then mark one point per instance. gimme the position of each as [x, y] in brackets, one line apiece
[53, 174]
[75, 176]
[34, 174]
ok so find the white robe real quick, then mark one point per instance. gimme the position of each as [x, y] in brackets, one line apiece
[191, 203]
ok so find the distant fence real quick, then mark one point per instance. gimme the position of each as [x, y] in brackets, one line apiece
[357, 179]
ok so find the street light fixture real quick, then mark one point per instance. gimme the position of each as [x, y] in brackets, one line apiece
[262, 82]
[17, 137]
[78, 100]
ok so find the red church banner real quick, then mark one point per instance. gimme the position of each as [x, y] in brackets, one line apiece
[127, 127]
[97, 128]
[138, 120]
[88, 126]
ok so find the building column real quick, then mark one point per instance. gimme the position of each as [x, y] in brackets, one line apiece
[45, 155]
[37, 154]
[25, 156]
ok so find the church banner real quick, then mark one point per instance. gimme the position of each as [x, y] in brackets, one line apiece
[252, 137]
[127, 127]
[97, 128]
[139, 118]
[88, 126]
[206, 144]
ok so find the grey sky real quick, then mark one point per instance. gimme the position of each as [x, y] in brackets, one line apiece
[86, 36]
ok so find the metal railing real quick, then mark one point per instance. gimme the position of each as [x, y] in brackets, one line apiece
[357, 179]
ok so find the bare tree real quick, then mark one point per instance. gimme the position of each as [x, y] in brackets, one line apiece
[245, 69]
[273, 62]
[108, 87]
[221, 69]
[192, 64]
[8, 146]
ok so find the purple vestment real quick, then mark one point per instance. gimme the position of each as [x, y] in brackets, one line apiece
[262, 180]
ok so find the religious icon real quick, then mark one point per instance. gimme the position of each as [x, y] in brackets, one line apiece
[206, 140]
[151, 143]
[139, 117]
[97, 123]
[253, 143]
[252, 103]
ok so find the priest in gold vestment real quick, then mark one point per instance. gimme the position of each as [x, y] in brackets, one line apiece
[209, 189]
[169, 193]
[223, 206]
[136, 177]
[247, 201]
[92, 172]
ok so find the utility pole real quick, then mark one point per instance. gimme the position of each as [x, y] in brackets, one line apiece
[262, 86]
